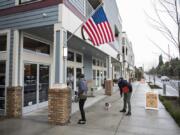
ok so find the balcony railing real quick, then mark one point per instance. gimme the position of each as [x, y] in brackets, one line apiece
[83, 6]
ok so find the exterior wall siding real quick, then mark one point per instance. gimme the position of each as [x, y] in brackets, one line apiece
[79, 4]
[6, 4]
[30, 19]
[88, 67]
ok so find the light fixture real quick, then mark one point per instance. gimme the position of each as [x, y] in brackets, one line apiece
[65, 52]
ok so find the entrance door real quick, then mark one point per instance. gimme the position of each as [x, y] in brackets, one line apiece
[36, 85]
[30, 84]
[43, 82]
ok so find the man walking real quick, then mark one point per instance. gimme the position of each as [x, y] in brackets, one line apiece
[125, 90]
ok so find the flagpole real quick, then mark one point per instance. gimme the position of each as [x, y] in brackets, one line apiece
[84, 21]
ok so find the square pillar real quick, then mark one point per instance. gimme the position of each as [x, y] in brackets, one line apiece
[109, 66]
[59, 105]
[108, 87]
[14, 90]
[59, 95]
[14, 102]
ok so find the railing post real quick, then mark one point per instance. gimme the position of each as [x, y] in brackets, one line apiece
[179, 89]
[164, 89]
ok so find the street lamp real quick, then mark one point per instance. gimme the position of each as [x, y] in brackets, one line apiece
[65, 52]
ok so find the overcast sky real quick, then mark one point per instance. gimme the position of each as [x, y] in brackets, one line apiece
[135, 23]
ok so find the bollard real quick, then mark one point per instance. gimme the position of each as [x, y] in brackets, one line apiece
[92, 92]
[164, 89]
[179, 88]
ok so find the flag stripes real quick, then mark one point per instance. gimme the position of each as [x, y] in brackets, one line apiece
[98, 28]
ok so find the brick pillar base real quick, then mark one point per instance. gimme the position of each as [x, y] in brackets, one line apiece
[14, 102]
[59, 105]
[108, 87]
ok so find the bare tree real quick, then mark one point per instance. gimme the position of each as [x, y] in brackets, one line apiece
[167, 20]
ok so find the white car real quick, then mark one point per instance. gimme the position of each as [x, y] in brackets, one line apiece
[164, 78]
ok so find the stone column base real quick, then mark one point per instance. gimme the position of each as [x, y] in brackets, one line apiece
[59, 106]
[14, 102]
[108, 87]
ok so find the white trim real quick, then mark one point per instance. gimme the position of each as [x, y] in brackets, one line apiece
[37, 38]
[15, 58]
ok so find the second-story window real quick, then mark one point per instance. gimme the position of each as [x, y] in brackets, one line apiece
[3, 42]
[94, 62]
[126, 51]
[79, 58]
[70, 56]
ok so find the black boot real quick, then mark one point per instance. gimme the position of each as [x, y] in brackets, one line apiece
[123, 110]
[128, 114]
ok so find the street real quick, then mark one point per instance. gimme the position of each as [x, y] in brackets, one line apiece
[171, 86]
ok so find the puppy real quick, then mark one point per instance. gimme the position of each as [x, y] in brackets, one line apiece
[107, 106]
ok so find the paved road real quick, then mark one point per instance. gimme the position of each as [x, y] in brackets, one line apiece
[171, 86]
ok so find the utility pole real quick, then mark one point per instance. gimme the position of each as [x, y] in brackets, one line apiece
[169, 53]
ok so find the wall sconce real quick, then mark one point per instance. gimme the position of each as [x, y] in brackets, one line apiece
[65, 52]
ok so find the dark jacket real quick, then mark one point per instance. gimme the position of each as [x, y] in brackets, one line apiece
[122, 83]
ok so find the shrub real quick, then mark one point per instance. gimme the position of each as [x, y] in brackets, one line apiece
[172, 107]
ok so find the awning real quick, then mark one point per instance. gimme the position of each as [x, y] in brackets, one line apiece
[84, 47]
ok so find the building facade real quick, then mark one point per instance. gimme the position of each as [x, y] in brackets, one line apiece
[128, 57]
[41, 44]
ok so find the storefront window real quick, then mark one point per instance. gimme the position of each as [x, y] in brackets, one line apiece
[36, 46]
[94, 62]
[3, 42]
[79, 58]
[78, 72]
[70, 56]
[104, 64]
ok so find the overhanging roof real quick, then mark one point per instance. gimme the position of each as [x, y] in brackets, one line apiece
[84, 47]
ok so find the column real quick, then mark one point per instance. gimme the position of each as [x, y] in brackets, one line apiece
[59, 95]
[14, 90]
[108, 82]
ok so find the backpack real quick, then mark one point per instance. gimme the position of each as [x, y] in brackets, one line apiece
[125, 89]
[83, 87]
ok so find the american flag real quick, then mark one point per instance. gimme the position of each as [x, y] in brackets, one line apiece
[98, 28]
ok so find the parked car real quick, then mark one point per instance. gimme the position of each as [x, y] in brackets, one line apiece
[164, 78]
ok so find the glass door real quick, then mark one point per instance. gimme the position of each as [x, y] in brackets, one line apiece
[30, 84]
[43, 83]
[70, 77]
[2, 86]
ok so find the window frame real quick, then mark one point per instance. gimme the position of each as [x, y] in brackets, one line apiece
[5, 34]
[76, 54]
[38, 39]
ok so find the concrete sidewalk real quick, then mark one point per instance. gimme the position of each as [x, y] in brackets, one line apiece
[101, 122]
